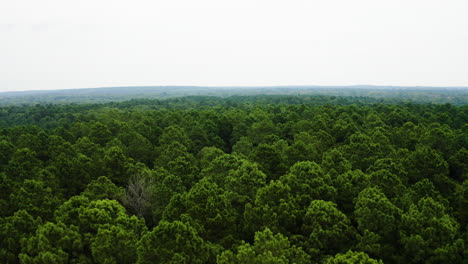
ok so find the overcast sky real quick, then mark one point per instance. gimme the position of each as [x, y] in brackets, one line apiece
[58, 44]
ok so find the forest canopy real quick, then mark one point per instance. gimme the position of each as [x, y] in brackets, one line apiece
[242, 179]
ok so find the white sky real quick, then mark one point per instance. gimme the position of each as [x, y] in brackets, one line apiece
[57, 44]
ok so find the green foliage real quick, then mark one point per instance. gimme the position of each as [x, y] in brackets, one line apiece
[245, 180]
[259, 179]
[89, 216]
[207, 155]
[99, 133]
[116, 164]
[23, 164]
[425, 162]
[377, 220]
[76, 171]
[103, 188]
[53, 243]
[268, 248]
[114, 245]
[6, 150]
[137, 147]
[35, 197]
[304, 149]
[164, 188]
[429, 234]
[458, 165]
[348, 186]
[13, 230]
[269, 159]
[329, 230]
[308, 182]
[273, 208]
[352, 257]
[374, 212]
[335, 163]
[174, 242]
[388, 182]
[209, 209]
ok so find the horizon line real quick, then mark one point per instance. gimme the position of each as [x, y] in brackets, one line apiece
[244, 86]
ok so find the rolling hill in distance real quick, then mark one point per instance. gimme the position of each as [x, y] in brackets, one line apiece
[419, 94]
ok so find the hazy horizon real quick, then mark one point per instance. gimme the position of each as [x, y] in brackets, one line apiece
[55, 45]
[244, 86]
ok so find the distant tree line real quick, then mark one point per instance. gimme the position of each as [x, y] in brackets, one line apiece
[387, 94]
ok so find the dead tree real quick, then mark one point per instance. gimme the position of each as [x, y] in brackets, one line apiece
[138, 195]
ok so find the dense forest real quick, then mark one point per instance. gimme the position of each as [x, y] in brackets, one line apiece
[242, 179]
